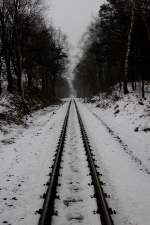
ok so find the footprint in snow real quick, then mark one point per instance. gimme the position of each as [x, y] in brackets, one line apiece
[74, 188]
[10, 175]
[10, 205]
[70, 201]
[14, 198]
[8, 141]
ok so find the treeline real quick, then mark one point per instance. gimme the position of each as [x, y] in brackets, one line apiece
[116, 49]
[32, 55]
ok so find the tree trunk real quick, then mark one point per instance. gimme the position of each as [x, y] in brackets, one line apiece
[6, 54]
[18, 48]
[43, 84]
[135, 85]
[120, 85]
[29, 79]
[143, 83]
[18, 62]
[0, 75]
[125, 87]
[143, 88]
[9, 75]
[144, 19]
[126, 67]
[54, 87]
[19, 74]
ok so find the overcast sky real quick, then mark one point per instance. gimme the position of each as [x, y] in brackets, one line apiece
[73, 17]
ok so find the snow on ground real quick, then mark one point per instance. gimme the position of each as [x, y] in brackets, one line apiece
[123, 156]
[128, 121]
[25, 156]
[75, 205]
[119, 135]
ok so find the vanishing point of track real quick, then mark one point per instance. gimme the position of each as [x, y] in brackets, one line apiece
[48, 207]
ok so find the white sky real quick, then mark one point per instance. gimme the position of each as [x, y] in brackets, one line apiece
[73, 17]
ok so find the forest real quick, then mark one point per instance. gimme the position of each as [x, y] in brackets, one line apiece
[115, 49]
[33, 53]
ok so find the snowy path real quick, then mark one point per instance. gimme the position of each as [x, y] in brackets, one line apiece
[125, 182]
[75, 205]
[24, 165]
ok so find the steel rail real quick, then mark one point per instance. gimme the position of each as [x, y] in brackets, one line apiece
[48, 206]
[103, 208]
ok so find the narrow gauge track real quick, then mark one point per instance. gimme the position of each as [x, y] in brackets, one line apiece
[48, 206]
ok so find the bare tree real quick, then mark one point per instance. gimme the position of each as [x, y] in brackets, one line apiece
[5, 35]
[126, 66]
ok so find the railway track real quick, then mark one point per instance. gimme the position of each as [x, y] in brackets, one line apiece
[49, 203]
